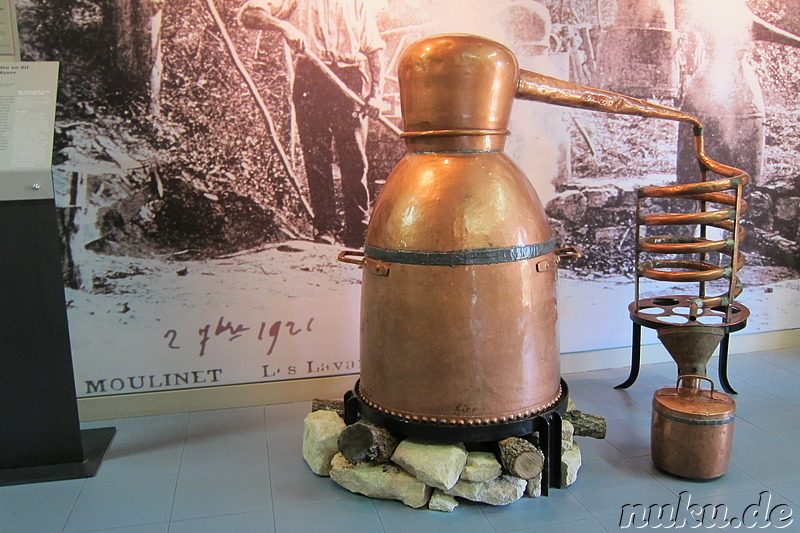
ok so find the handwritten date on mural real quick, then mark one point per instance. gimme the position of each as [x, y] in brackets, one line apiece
[267, 332]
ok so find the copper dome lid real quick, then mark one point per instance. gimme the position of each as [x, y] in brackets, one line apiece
[457, 84]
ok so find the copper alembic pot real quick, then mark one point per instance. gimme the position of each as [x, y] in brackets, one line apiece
[458, 308]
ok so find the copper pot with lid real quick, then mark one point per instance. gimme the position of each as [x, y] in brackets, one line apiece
[692, 429]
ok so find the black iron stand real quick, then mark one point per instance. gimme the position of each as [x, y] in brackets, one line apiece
[40, 436]
[547, 425]
[667, 305]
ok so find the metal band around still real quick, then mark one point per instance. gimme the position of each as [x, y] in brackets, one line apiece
[696, 421]
[475, 256]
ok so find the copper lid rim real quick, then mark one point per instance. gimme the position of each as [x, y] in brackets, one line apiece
[697, 420]
[454, 132]
[689, 406]
[438, 420]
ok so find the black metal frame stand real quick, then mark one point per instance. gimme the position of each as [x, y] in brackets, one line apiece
[547, 425]
[639, 320]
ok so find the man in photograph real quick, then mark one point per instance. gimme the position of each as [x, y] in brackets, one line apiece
[344, 36]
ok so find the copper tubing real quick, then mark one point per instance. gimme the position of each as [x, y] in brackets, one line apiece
[541, 88]
[700, 271]
[678, 219]
[538, 87]
[672, 244]
[725, 219]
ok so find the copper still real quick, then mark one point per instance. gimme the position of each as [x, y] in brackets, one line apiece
[458, 308]
[692, 429]
[458, 311]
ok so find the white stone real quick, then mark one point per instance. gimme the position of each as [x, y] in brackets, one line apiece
[321, 431]
[481, 466]
[534, 488]
[500, 491]
[442, 502]
[570, 463]
[386, 481]
[567, 435]
[437, 465]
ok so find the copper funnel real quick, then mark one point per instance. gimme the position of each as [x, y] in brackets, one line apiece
[691, 346]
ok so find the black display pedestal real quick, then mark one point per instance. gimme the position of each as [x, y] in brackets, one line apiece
[40, 435]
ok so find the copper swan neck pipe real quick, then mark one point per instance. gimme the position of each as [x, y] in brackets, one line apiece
[540, 88]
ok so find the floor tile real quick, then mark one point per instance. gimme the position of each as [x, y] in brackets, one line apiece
[744, 366]
[593, 450]
[256, 522]
[559, 506]
[581, 379]
[353, 515]
[764, 457]
[745, 392]
[773, 416]
[399, 518]
[123, 503]
[631, 436]
[775, 380]
[610, 403]
[222, 491]
[788, 358]
[612, 522]
[614, 376]
[668, 369]
[144, 447]
[604, 487]
[138, 460]
[286, 414]
[234, 449]
[38, 506]
[293, 483]
[790, 491]
[157, 428]
[284, 444]
[588, 525]
[146, 528]
[733, 480]
[224, 421]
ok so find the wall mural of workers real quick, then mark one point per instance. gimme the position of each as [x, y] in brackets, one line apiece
[340, 39]
[213, 157]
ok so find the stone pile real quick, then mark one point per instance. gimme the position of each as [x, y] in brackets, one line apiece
[432, 474]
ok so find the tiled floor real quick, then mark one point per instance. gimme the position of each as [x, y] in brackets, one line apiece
[240, 470]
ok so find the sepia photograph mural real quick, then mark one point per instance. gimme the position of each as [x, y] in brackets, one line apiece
[213, 157]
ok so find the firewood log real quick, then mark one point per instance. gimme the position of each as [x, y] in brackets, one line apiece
[587, 425]
[520, 458]
[361, 442]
